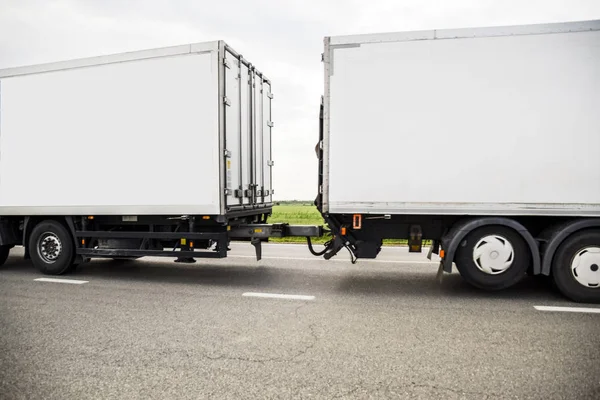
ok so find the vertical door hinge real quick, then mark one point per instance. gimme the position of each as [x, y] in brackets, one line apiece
[270, 124]
[227, 153]
[270, 163]
[270, 95]
[226, 63]
[226, 101]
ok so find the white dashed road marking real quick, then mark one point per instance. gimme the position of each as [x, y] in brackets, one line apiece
[55, 280]
[568, 309]
[279, 296]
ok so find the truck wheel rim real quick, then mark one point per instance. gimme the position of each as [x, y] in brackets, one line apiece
[493, 254]
[49, 247]
[585, 267]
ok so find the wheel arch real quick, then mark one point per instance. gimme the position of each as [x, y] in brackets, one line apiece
[554, 236]
[461, 229]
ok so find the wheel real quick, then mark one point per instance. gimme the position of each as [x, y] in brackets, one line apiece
[51, 248]
[493, 257]
[4, 251]
[576, 267]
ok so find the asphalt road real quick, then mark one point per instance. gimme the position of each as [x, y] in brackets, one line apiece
[153, 329]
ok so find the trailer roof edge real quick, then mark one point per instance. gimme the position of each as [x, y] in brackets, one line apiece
[111, 59]
[462, 33]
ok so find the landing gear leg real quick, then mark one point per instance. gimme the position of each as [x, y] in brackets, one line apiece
[185, 260]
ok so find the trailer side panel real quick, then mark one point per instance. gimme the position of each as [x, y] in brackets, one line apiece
[133, 137]
[504, 124]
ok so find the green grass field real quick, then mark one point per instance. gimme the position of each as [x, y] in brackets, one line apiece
[304, 213]
[296, 214]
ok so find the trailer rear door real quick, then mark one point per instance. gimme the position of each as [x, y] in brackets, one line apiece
[247, 125]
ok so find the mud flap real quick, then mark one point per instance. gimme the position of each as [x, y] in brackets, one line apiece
[258, 247]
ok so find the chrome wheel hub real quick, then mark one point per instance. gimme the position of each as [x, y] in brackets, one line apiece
[49, 247]
[585, 267]
[493, 254]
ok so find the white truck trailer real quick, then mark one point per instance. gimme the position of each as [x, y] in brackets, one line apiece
[485, 141]
[159, 152]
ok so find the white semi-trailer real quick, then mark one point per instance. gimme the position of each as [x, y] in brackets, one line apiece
[486, 141]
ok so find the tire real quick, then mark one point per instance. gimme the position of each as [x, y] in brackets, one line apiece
[576, 267]
[493, 257]
[4, 251]
[51, 248]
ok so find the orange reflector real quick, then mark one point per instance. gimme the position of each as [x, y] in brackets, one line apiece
[343, 232]
[191, 244]
[91, 217]
[82, 241]
[206, 217]
[442, 254]
[357, 221]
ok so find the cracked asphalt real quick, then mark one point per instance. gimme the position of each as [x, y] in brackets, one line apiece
[153, 329]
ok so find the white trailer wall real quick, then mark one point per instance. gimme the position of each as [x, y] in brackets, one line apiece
[138, 136]
[484, 121]
[178, 130]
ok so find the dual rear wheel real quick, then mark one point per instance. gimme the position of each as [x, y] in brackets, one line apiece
[497, 257]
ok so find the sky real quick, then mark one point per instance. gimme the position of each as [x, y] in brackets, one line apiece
[284, 39]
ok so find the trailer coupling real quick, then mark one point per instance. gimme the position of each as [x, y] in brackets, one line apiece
[257, 233]
[331, 248]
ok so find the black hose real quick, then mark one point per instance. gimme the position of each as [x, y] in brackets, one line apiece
[318, 253]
